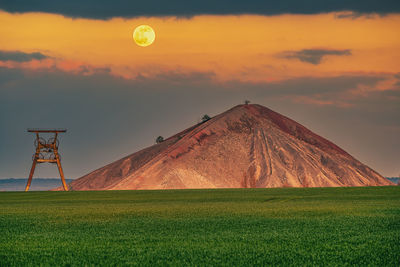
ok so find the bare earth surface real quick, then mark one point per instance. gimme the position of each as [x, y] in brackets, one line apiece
[246, 146]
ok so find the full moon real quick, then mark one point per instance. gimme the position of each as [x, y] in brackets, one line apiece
[144, 35]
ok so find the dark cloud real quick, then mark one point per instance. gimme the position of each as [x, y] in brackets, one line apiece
[314, 56]
[18, 56]
[102, 9]
[355, 15]
[109, 117]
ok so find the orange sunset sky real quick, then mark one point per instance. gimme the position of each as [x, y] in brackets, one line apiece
[244, 47]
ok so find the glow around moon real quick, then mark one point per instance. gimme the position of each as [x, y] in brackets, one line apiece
[144, 35]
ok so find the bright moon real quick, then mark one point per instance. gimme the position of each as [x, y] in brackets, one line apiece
[144, 35]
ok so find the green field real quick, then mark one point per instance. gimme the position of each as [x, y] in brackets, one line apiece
[287, 226]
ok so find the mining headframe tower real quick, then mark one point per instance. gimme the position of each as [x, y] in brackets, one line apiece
[46, 152]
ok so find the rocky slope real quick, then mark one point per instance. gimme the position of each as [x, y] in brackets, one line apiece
[246, 146]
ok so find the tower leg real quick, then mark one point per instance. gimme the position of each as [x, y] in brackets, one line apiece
[28, 184]
[60, 170]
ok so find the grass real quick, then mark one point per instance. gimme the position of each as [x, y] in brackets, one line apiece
[228, 227]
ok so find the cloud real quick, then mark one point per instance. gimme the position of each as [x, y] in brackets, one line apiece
[310, 86]
[314, 56]
[103, 9]
[355, 15]
[18, 56]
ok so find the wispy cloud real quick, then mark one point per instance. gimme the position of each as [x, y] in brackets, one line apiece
[19, 56]
[314, 56]
[355, 15]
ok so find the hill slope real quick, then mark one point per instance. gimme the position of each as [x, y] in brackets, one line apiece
[246, 146]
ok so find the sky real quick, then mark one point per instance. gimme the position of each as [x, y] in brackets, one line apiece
[333, 66]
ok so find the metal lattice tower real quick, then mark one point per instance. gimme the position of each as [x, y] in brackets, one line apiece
[46, 151]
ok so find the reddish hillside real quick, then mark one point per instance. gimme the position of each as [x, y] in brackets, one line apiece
[246, 146]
